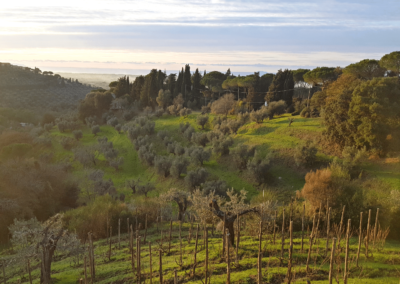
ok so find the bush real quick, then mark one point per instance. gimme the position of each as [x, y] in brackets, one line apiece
[218, 186]
[305, 155]
[206, 109]
[162, 134]
[77, 134]
[179, 150]
[179, 166]
[198, 155]
[195, 178]
[200, 139]
[95, 129]
[242, 153]
[185, 112]
[163, 165]
[276, 108]
[118, 128]
[48, 127]
[128, 115]
[258, 168]
[95, 216]
[233, 126]
[146, 156]
[159, 113]
[171, 147]
[221, 146]
[47, 119]
[184, 126]
[224, 104]
[188, 133]
[112, 121]
[67, 143]
[202, 120]
[256, 116]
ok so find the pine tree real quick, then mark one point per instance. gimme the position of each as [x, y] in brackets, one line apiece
[136, 88]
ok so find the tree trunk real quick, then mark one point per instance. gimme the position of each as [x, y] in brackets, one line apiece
[47, 258]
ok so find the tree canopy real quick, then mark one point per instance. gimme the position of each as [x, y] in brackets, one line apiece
[365, 69]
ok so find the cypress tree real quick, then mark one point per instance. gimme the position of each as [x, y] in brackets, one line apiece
[281, 87]
[188, 78]
[178, 84]
[136, 88]
[196, 83]
[171, 81]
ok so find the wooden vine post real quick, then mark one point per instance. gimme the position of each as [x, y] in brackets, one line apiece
[150, 264]
[237, 239]
[259, 259]
[289, 272]
[109, 248]
[328, 223]
[206, 260]
[302, 228]
[339, 236]
[170, 237]
[224, 235]
[145, 230]
[359, 239]
[332, 260]
[180, 242]
[310, 246]
[160, 268]
[346, 259]
[131, 250]
[276, 216]
[30, 275]
[138, 264]
[376, 225]
[228, 264]
[367, 236]
[91, 260]
[4, 271]
[283, 237]
[195, 251]
[84, 269]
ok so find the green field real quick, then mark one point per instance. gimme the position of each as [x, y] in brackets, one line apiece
[273, 138]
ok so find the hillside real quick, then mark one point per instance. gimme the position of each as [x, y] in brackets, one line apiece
[22, 87]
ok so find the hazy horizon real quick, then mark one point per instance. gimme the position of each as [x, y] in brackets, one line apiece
[209, 35]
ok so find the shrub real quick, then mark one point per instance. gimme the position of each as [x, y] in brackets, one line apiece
[128, 115]
[162, 134]
[233, 125]
[44, 141]
[202, 120]
[112, 121]
[91, 120]
[77, 134]
[276, 108]
[95, 129]
[48, 127]
[221, 146]
[218, 186]
[171, 147]
[146, 156]
[47, 119]
[223, 127]
[67, 143]
[188, 133]
[305, 155]
[185, 112]
[179, 150]
[174, 110]
[258, 168]
[163, 165]
[95, 216]
[184, 126]
[195, 178]
[179, 166]
[224, 104]
[206, 109]
[200, 139]
[159, 113]
[134, 132]
[118, 127]
[256, 116]
[243, 118]
[198, 155]
[242, 153]
[145, 188]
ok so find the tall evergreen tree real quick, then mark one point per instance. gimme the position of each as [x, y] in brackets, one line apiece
[281, 88]
[136, 88]
[196, 83]
[255, 97]
[150, 89]
[178, 84]
[188, 79]
[171, 82]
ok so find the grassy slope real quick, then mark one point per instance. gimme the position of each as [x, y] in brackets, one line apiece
[271, 136]
[383, 267]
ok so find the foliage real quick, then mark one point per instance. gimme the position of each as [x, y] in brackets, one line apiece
[163, 165]
[224, 104]
[202, 120]
[281, 87]
[179, 166]
[391, 62]
[305, 155]
[321, 75]
[198, 155]
[365, 69]
[219, 187]
[196, 177]
[95, 104]
[164, 98]
[242, 153]
[221, 145]
[258, 168]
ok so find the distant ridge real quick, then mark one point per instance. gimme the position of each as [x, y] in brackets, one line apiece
[32, 88]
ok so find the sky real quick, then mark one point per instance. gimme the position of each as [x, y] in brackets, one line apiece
[129, 36]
